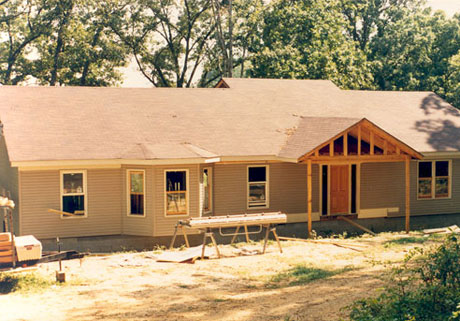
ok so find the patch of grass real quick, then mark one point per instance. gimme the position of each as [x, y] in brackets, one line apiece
[302, 274]
[183, 286]
[23, 283]
[406, 240]
[219, 300]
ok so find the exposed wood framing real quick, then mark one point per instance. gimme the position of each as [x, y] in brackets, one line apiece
[345, 144]
[372, 143]
[309, 187]
[359, 140]
[407, 194]
[357, 159]
[343, 218]
[364, 131]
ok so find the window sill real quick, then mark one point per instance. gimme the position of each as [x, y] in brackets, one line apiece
[137, 216]
[433, 198]
[73, 217]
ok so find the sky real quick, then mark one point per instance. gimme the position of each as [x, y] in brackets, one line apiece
[133, 77]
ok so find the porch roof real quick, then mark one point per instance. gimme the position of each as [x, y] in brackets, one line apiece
[316, 138]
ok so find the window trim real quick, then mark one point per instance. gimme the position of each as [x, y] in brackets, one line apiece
[61, 192]
[128, 192]
[267, 187]
[433, 180]
[187, 192]
[210, 180]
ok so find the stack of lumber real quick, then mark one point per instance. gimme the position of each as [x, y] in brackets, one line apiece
[6, 248]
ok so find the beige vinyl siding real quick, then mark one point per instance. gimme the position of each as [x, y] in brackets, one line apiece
[287, 188]
[40, 191]
[9, 181]
[142, 225]
[383, 186]
[164, 225]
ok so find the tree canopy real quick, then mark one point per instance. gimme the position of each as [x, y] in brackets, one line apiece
[358, 44]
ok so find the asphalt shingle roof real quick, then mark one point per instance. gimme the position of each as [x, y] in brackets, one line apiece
[252, 117]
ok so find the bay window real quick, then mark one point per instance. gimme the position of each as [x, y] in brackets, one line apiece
[136, 187]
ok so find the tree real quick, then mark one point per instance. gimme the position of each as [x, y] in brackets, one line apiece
[82, 50]
[228, 52]
[367, 18]
[307, 39]
[415, 52]
[453, 80]
[21, 23]
[166, 37]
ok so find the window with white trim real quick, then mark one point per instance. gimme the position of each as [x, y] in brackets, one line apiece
[434, 179]
[136, 186]
[176, 192]
[257, 186]
[73, 193]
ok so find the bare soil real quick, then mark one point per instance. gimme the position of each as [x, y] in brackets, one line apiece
[133, 286]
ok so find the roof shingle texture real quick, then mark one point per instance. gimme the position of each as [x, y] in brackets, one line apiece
[252, 117]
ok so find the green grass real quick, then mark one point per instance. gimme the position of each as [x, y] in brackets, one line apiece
[406, 240]
[302, 274]
[23, 283]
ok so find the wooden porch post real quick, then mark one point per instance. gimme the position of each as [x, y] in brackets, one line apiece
[309, 187]
[407, 194]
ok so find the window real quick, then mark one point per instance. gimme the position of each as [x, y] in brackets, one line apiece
[257, 187]
[73, 193]
[136, 187]
[433, 179]
[207, 190]
[176, 192]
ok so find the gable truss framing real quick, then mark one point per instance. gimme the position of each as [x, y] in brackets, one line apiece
[362, 142]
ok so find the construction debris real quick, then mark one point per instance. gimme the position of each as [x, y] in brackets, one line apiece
[343, 218]
[339, 244]
[189, 255]
[443, 230]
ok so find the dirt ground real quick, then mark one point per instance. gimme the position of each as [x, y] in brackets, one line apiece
[133, 286]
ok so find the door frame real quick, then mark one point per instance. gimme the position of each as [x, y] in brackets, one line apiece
[320, 185]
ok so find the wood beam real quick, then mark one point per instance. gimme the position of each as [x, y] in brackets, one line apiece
[345, 144]
[309, 197]
[407, 194]
[356, 158]
[331, 148]
[359, 140]
[372, 143]
[385, 147]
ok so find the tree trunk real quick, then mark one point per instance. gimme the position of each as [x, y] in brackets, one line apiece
[230, 40]
[84, 74]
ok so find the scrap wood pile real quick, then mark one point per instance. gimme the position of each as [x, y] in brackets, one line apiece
[443, 230]
[340, 243]
[6, 248]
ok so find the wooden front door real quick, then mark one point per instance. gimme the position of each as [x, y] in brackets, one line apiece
[339, 189]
